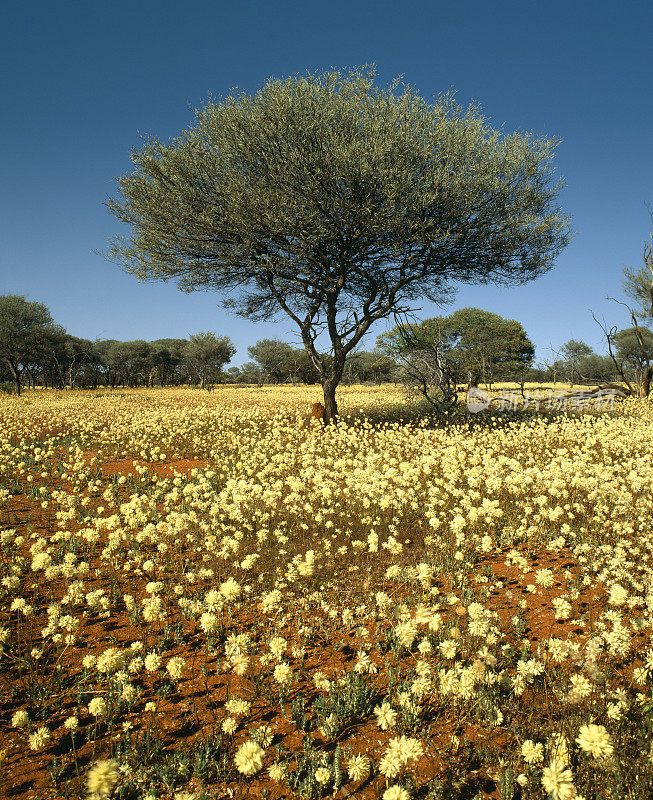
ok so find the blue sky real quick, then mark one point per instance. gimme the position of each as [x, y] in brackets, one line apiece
[81, 82]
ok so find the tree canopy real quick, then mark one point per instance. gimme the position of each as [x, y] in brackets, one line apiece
[281, 362]
[339, 203]
[33, 348]
[478, 345]
[207, 354]
[638, 283]
[573, 354]
[24, 329]
[629, 348]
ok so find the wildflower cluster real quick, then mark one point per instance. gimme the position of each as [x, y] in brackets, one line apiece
[325, 608]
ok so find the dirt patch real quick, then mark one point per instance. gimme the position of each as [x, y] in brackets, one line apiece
[165, 469]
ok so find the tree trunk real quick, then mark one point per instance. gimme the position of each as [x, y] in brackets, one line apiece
[646, 383]
[15, 374]
[330, 383]
[330, 405]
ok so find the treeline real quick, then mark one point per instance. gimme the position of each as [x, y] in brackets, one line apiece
[36, 351]
[576, 362]
[475, 347]
[275, 361]
[478, 346]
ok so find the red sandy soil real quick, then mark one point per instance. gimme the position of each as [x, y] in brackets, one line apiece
[189, 713]
[168, 469]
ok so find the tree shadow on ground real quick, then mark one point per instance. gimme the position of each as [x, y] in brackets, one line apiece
[421, 413]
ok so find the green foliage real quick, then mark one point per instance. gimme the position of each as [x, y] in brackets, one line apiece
[507, 784]
[366, 367]
[198, 360]
[132, 358]
[24, 330]
[575, 350]
[302, 778]
[578, 363]
[337, 767]
[478, 345]
[339, 203]
[629, 350]
[282, 363]
[148, 762]
[31, 343]
[596, 368]
[299, 715]
[638, 283]
[206, 354]
[347, 702]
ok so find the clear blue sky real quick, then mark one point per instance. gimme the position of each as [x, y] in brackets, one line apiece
[82, 81]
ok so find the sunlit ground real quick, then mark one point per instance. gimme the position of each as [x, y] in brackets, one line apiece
[207, 595]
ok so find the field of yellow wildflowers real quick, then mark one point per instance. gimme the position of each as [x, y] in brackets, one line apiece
[206, 596]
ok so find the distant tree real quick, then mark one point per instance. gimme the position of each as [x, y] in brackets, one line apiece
[630, 349]
[167, 357]
[631, 352]
[638, 283]
[206, 354]
[573, 352]
[250, 372]
[636, 358]
[425, 368]
[553, 363]
[49, 358]
[339, 204]
[5, 376]
[275, 359]
[132, 361]
[478, 345]
[108, 366]
[373, 367]
[302, 370]
[24, 328]
[597, 368]
[539, 373]
[281, 362]
[579, 363]
[69, 357]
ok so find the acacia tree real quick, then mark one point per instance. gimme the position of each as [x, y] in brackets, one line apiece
[67, 356]
[282, 362]
[573, 352]
[634, 352]
[275, 358]
[338, 203]
[167, 356]
[634, 345]
[638, 283]
[24, 329]
[370, 366]
[206, 354]
[425, 365]
[478, 345]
